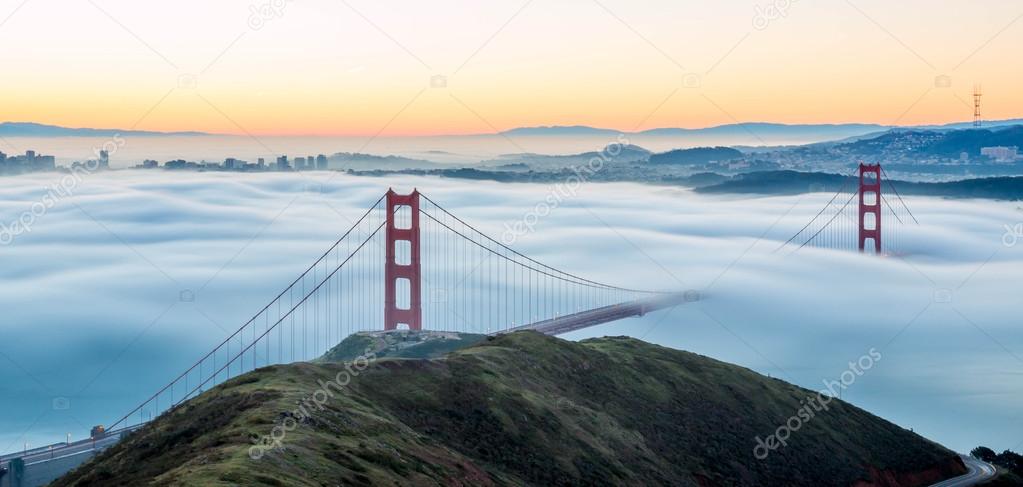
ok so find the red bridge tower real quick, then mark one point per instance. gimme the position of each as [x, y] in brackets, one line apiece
[870, 206]
[403, 239]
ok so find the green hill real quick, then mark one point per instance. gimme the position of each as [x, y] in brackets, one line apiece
[696, 156]
[400, 344]
[519, 409]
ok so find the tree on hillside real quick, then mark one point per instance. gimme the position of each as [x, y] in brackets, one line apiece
[983, 454]
[1008, 459]
[1011, 460]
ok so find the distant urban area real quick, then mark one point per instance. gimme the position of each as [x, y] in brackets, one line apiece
[34, 162]
[917, 156]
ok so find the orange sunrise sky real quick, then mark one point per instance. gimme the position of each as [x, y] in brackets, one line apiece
[355, 67]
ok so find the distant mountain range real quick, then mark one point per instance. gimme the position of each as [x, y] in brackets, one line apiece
[744, 130]
[767, 129]
[28, 129]
[764, 129]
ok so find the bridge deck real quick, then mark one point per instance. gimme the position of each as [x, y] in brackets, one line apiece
[584, 319]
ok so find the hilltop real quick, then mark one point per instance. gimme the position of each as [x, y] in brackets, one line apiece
[948, 144]
[518, 409]
[621, 154]
[400, 344]
[696, 156]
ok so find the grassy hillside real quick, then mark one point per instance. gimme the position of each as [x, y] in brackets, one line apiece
[520, 409]
[400, 344]
[696, 156]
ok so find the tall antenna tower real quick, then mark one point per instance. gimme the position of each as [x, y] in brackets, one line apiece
[976, 106]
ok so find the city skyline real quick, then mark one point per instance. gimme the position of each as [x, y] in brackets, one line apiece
[348, 68]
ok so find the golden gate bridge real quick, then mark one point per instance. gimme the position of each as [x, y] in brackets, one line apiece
[441, 273]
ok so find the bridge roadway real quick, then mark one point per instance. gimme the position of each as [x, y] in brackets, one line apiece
[45, 464]
[576, 321]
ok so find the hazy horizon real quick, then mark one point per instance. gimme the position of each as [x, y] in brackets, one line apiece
[566, 125]
[323, 67]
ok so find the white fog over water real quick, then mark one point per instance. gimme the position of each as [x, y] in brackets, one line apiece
[100, 275]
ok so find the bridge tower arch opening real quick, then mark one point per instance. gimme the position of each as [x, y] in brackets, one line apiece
[870, 207]
[402, 271]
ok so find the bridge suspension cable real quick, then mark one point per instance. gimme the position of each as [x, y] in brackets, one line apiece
[847, 179]
[557, 274]
[290, 311]
[896, 191]
[827, 226]
[206, 368]
[472, 284]
[852, 227]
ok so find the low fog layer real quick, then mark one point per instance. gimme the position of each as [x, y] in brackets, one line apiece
[94, 319]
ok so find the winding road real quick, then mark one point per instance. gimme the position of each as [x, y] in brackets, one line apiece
[978, 472]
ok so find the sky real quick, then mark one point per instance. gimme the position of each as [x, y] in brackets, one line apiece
[94, 321]
[357, 67]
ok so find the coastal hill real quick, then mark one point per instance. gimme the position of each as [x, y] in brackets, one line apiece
[517, 409]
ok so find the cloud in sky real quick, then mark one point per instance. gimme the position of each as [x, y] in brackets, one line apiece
[92, 307]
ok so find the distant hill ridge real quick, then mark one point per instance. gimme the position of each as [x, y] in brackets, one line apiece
[29, 129]
[793, 182]
[745, 128]
[836, 130]
[696, 156]
[941, 143]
